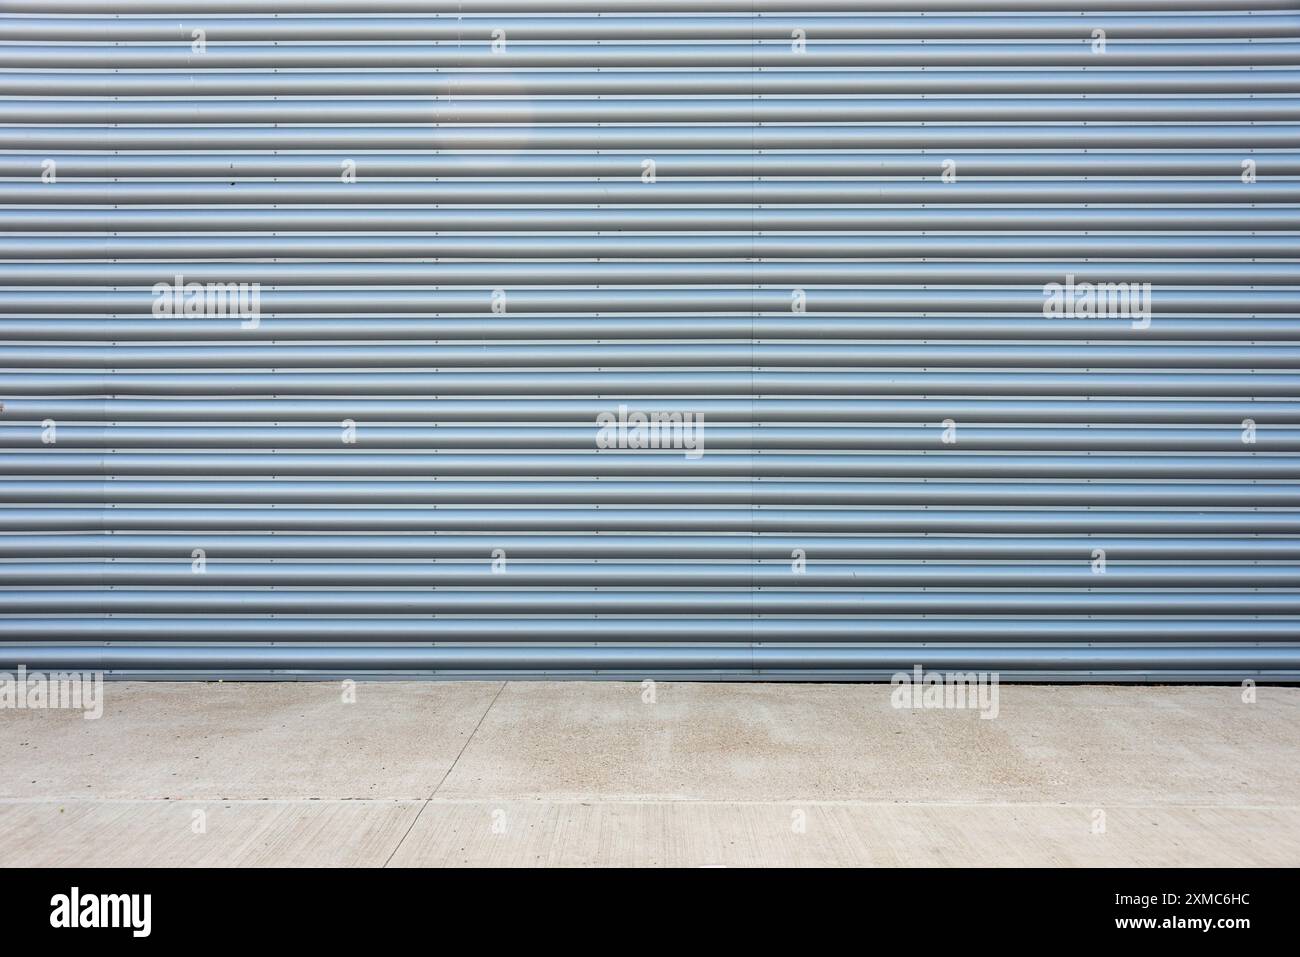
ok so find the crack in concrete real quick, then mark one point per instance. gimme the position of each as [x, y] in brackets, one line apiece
[446, 774]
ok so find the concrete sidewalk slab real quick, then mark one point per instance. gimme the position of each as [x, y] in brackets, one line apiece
[646, 834]
[245, 740]
[767, 834]
[1092, 745]
[574, 773]
[94, 833]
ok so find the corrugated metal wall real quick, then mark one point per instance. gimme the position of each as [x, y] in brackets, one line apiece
[828, 228]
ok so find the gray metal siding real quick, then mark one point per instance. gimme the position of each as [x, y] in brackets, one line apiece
[946, 456]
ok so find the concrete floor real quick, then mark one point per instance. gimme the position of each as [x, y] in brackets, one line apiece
[573, 773]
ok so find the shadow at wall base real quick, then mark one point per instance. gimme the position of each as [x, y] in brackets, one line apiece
[1164, 663]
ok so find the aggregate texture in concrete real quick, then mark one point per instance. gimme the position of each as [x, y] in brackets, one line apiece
[532, 773]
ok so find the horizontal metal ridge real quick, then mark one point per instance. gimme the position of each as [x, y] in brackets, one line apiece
[625, 81]
[606, 7]
[803, 329]
[624, 574]
[577, 355]
[764, 464]
[1018, 519]
[471, 29]
[631, 191]
[1082, 134]
[686, 221]
[1184, 662]
[753, 109]
[1069, 48]
[695, 163]
[178, 544]
[1151, 632]
[889, 600]
[867, 443]
[663, 491]
[514, 273]
[345, 250]
[626, 383]
[1027, 296]
[383, 413]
